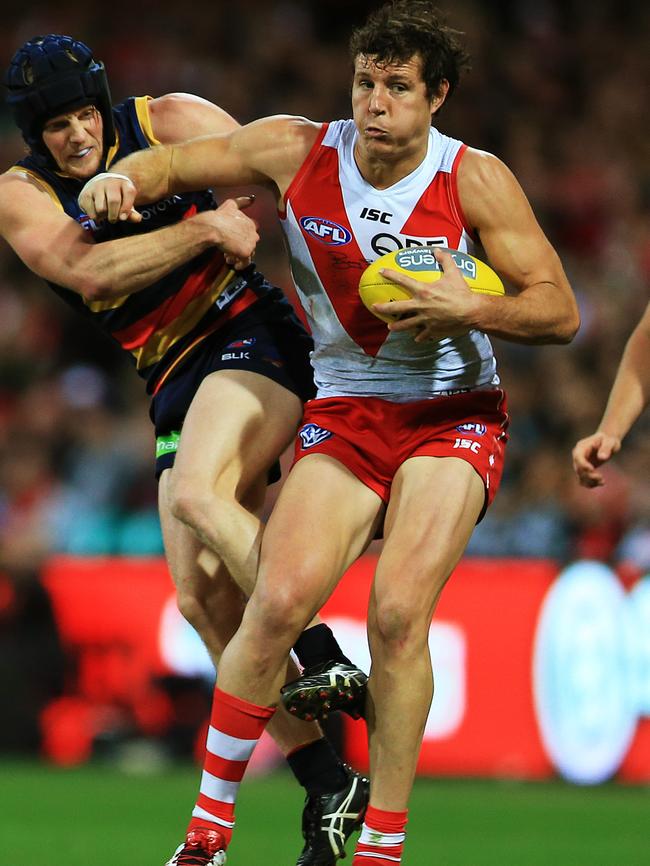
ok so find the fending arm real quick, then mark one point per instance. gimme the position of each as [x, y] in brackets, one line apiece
[266, 153]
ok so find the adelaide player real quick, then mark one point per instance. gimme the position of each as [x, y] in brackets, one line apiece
[163, 289]
[406, 435]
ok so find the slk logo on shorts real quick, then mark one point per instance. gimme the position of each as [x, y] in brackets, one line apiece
[312, 434]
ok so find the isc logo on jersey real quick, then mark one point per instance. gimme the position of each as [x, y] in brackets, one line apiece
[423, 260]
[325, 231]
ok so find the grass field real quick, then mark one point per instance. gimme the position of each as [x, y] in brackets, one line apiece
[99, 816]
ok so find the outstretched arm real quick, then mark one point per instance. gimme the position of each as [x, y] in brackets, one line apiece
[266, 152]
[629, 396]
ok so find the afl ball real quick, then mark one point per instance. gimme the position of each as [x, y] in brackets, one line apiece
[421, 264]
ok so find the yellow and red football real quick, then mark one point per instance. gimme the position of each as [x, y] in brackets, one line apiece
[421, 264]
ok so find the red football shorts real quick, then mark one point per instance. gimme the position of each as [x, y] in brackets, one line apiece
[373, 437]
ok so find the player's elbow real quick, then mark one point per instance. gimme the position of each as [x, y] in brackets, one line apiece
[562, 320]
[568, 327]
[94, 289]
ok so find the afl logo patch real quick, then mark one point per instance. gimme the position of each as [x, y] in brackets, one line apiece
[312, 434]
[471, 427]
[325, 231]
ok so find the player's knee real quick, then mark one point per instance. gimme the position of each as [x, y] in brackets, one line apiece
[188, 504]
[215, 624]
[280, 614]
[196, 506]
[398, 625]
[193, 608]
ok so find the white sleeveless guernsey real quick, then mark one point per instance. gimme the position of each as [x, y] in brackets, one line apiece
[336, 223]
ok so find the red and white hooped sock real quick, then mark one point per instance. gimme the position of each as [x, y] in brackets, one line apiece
[235, 727]
[382, 838]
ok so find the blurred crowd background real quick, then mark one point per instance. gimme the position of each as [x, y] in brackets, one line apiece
[558, 89]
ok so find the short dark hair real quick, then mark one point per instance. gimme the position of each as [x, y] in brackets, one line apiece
[402, 28]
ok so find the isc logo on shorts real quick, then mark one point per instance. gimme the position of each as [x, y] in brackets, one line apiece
[312, 434]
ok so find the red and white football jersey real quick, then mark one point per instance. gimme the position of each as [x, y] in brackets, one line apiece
[336, 224]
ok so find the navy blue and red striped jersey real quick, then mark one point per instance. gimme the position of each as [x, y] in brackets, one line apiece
[159, 325]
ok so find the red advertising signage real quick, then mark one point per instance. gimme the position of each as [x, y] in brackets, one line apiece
[539, 671]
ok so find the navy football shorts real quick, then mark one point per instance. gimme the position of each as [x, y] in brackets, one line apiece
[268, 338]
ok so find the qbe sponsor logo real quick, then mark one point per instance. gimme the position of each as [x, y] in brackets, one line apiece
[591, 670]
[327, 232]
[383, 243]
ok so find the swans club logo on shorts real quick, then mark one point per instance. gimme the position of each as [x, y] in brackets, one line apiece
[312, 434]
[325, 231]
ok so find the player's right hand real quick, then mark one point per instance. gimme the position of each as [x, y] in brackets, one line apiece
[443, 308]
[590, 453]
[236, 234]
[111, 197]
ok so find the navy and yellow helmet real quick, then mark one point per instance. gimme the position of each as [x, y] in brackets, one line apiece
[50, 75]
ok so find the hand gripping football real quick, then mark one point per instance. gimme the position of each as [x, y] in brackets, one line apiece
[420, 264]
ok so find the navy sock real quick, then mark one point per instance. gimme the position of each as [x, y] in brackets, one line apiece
[317, 768]
[317, 645]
